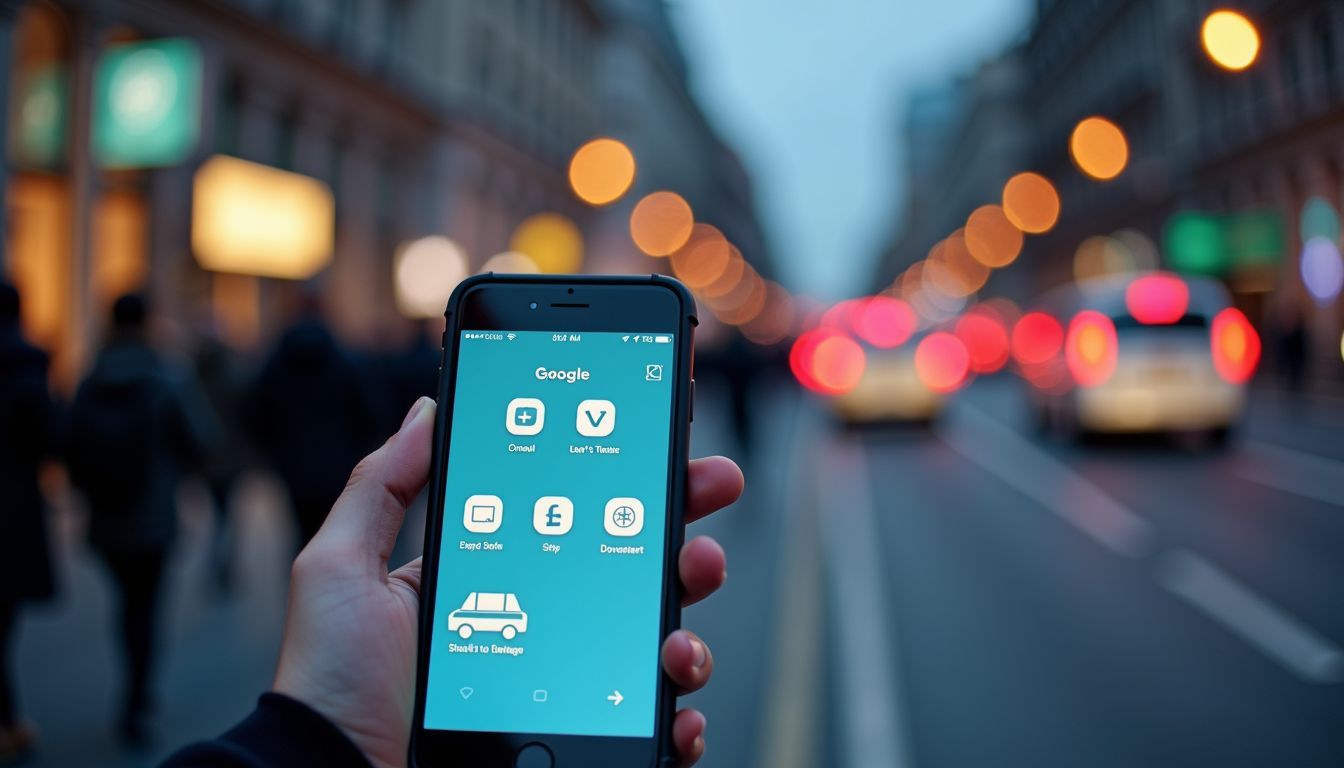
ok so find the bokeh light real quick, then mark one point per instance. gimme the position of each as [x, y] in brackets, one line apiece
[1230, 39]
[1142, 250]
[884, 322]
[942, 362]
[1031, 203]
[729, 278]
[551, 241]
[1318, 219]
[1100, 256]
[601, 171]
[985, 337]
[1160, 298]
[703, 259]
[1091, 348]
[510, 263]
[743, 303]
[1098, 148]
[827, 361]
[953, 269]
[661, 223]
[991, 237]
[1235, 346]
[775, 320]
[1037, 337]
[1322, 270]
[425, 272]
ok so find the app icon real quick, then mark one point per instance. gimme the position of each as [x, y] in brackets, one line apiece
[526, 416]
[596, 418]
[488, 612]
[553, 515]
[624, 516]
[483, 514]
[653, 372]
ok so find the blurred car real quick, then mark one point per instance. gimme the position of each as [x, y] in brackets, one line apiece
[1148, 352]
[890, 390]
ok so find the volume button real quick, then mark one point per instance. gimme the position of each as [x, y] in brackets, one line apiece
[692, 400]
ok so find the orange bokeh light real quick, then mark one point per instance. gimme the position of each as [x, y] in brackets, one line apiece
[729, 278]
[601, 171]
[703, 259]
[991, 237]
[1031, 203]
[661, 223]
[1099, 148]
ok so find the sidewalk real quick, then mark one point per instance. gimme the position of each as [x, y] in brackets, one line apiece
[216, 654]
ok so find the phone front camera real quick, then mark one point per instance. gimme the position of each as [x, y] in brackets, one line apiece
[533, 305]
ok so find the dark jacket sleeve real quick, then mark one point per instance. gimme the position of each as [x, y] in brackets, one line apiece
[280, 732]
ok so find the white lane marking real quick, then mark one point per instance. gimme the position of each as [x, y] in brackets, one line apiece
[871, 718]
[788, 737]
[1297, 472]
[1035, 474]
[1247, 615]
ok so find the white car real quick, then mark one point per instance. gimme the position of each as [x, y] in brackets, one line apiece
[488, 612]
[1144, 352]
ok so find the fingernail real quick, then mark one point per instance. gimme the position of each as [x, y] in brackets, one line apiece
[416, 408]
[698, 654]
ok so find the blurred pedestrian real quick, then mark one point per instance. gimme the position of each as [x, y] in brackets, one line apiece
[27, 419]
[1294, 344]
[313, 415]
[136, 424]
[220, 372]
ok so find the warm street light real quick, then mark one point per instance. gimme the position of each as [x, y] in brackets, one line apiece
[1099, 148]
[661, 223]
[1230, 39]
[601, 171]
[1031, 203]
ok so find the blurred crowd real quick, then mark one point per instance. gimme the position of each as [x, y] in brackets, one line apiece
[141, 420]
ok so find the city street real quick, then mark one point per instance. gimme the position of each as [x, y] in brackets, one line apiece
[893, 593]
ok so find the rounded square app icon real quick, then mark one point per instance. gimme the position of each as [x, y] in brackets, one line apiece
[624, 516]
[553, 515]
[595, 418]
[482, 513]
[525, 416]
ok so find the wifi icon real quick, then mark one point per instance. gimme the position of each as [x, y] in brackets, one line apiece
[512, 336]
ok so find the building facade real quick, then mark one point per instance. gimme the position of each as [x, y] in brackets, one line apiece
[1202, 140]
[454, 118]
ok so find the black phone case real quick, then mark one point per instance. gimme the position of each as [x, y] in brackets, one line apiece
[679, 457]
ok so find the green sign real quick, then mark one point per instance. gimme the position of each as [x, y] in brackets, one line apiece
[1214, 244]
[147, 104]
[37, 124]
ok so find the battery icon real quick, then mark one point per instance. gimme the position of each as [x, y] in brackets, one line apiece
[662, 339]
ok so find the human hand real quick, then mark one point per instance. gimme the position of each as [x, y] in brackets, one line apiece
[349, 648]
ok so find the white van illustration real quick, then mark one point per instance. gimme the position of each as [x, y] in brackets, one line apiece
[488, 612]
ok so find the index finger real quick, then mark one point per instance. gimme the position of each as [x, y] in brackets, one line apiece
[713, 483]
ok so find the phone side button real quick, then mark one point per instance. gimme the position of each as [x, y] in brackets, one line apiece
[534, 756]
[692, 400]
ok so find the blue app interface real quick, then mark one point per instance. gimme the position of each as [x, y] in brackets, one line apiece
[550, 564]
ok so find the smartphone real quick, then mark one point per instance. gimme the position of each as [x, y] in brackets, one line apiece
[556, 516]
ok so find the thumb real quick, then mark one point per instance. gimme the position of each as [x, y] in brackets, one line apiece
[366, 518]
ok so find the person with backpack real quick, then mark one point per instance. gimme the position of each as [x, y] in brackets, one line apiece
[27, 419]
[136, 424]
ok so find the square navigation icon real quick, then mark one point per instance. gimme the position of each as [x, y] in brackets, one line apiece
[482, 514]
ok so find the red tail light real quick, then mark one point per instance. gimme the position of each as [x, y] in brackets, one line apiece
[1037, 337]
[1091, 348]
[942, 362]
[985, 337]
[884, 322]
[826, 361]
[1235, 346]
[1157, 299]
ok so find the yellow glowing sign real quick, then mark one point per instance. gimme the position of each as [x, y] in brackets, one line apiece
[252, 219]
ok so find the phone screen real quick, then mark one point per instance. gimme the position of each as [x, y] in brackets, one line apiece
[550, 574]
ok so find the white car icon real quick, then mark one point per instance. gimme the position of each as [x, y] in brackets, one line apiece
[488, 612]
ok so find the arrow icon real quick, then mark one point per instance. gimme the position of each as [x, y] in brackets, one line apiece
[615, 698]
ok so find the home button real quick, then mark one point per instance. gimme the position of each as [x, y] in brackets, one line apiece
[534, 756]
